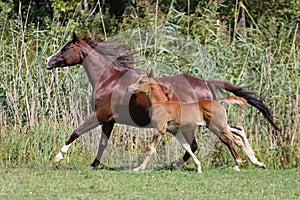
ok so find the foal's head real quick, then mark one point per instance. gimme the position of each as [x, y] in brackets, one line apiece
[144, 84]
[68, 55]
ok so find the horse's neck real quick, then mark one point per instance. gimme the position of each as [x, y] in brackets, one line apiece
[157, 95]
[95, 67]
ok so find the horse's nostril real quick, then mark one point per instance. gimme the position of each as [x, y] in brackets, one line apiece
[46, 61]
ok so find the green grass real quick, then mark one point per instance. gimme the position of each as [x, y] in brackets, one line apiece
[70, 183]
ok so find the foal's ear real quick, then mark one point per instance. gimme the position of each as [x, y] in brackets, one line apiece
[150, 74]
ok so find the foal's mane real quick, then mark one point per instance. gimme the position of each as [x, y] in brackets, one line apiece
[167, 91]
[116, 53]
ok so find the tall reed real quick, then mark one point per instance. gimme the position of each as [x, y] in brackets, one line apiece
[40, 108]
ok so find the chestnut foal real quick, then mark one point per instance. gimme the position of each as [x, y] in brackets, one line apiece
[177, 117]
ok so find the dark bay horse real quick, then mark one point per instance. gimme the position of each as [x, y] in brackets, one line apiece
[110, 73]
[175, 117]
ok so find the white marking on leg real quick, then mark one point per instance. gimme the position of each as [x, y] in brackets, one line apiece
[187, 147]
[62, 152]
[242, 134]
[152, 149]
[144, 164]
[246, 147]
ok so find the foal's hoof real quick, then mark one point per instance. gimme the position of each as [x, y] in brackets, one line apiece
[56, 159]
[136, 169]
[199, 170]
[236, 168]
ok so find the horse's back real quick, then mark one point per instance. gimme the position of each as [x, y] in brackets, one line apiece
[186, 88]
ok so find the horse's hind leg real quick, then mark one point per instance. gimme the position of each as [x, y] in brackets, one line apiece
[240, 139]
[106, 132]
[89, 124]
[151, 149]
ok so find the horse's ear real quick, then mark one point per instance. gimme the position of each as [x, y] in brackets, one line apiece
[74, 37]
[150, 74]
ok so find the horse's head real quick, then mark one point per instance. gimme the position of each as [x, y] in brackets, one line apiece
[68, 55]
[143, 84]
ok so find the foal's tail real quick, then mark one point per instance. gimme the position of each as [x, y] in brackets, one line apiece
[252, 98]
[234, 99]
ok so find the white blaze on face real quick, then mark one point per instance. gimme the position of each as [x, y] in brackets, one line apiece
[50, 57]
[47, 60]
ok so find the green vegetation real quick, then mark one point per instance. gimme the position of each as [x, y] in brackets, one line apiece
[49, 183]
[251, 44]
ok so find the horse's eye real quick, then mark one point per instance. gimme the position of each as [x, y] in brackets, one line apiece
[67, 48]
[141, 82]
[64, 49]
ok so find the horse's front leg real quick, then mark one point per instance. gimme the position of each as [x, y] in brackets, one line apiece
[106, 132]
[89, 124]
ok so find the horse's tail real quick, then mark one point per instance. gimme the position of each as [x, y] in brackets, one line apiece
[252, 98]
[234, 99]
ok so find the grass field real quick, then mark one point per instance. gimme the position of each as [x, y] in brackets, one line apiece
[39, 109]
[71, 183]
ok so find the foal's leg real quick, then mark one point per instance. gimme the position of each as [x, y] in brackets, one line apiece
[240, 143]
[239, 131]
[106, 132]
[228, 143]
[89, 124]
[236, 156]
[191, 140]
[151, 149]
[187, 147]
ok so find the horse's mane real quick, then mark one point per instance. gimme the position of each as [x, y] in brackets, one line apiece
[116, 53]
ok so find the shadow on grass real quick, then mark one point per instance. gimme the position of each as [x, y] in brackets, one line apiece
[170, 167]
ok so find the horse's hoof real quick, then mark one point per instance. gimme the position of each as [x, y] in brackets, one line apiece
[199, 170]
[236, 168]
[179, 163]
[56, 159]
[91, 167]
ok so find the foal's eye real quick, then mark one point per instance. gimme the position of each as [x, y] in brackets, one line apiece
[141, 82]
